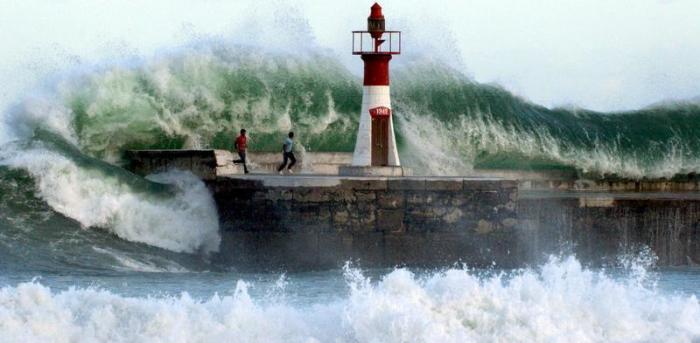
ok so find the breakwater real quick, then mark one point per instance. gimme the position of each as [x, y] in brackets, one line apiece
[313, 221]
[600, 227]
[323, 221]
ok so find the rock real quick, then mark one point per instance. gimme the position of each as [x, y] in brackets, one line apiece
[484, 227]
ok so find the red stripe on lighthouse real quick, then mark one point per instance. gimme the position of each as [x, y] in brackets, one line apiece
[376, 69]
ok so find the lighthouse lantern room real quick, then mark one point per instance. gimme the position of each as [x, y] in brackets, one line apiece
[376, 143]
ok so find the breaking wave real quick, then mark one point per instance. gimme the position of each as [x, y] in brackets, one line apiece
[484, 126]
[183, 223]
[71, 142]
[171, 210]
[447, 124]
[560, 301]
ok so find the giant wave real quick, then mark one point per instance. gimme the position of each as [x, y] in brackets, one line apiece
[71, 141]
[447, 123]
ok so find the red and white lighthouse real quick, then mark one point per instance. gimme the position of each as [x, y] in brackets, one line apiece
[376, 143]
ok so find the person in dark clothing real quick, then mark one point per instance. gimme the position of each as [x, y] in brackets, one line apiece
[287, 154]
[241, 145]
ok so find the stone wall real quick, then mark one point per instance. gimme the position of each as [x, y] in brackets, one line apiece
[379, 222]
[322, 221]
[601, 228]
[206, 164]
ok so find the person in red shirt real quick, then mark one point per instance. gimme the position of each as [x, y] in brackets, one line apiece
[241, 145]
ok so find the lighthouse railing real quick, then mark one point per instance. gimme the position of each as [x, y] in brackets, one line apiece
[364, 44]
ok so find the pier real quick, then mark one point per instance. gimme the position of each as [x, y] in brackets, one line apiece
[316, 221]
[323, 221]
[312, 221]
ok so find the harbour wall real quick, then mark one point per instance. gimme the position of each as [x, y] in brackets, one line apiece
[322, 222]
[209, 164]
[602, 228]
[313, 221]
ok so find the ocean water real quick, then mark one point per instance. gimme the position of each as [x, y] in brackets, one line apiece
[90, 252]
[558, 301]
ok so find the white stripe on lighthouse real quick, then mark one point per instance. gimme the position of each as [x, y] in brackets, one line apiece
[373, 96]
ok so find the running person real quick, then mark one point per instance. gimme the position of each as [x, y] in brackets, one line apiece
[287, 154]
[241, 145]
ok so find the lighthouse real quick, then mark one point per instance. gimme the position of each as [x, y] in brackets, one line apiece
[375, 148]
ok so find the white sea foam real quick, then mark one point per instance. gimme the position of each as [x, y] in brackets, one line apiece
[559, 302]
[184, 222]
[147, 264]
[181, 96]
[439, 148]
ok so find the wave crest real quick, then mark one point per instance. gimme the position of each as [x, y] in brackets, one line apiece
[184, 221]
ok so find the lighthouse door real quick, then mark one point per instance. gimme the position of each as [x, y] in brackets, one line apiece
[380, 141]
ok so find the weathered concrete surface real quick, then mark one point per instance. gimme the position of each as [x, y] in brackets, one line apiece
[374, 171]
[317, 163]
[322, 222]
[208, 164]
[613, 185]
[601, 227]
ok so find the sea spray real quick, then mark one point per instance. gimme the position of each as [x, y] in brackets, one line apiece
[186, 221]
[487, 127]
[447, 124]
[194, 100]
[558, 301]
[200, 97]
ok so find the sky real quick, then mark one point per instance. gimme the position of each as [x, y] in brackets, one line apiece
[607, 55]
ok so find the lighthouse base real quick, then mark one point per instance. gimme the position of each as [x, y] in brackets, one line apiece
[374, 171]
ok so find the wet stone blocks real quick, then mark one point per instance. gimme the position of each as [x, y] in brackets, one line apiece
[602, 231]
[375, 222]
